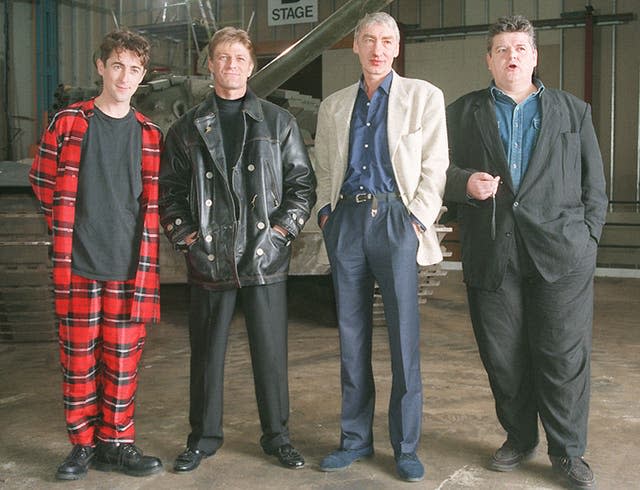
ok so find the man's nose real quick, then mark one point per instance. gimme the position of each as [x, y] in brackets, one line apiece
[126, 75]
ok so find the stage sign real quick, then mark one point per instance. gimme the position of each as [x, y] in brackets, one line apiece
[284, 12]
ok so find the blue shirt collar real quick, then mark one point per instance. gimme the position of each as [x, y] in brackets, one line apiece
[385, 85]
[496, 92]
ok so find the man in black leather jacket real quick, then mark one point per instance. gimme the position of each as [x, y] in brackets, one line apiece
[236, 187]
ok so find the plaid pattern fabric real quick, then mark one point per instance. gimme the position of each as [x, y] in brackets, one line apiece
[54, 178]
[100, 349]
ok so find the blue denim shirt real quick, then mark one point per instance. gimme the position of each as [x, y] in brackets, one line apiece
[369, 167]
[519, 125]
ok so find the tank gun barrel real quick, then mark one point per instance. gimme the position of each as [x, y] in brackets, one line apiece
[321, 38]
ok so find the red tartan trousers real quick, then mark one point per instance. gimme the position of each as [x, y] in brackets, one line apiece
[100, 349]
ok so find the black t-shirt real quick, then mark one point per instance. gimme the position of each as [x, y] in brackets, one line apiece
[108, 222]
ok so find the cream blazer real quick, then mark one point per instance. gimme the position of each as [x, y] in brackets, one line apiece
[417, 138]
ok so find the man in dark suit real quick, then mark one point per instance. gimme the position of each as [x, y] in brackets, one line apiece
[527, 179]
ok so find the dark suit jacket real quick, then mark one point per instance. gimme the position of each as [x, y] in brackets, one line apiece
[560, 205]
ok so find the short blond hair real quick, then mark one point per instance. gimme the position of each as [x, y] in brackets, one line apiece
[231, 35]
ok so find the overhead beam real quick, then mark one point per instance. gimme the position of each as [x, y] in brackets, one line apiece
[417, 35]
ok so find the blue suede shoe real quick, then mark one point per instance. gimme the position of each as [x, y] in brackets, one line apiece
[343, 458]
[409, 467]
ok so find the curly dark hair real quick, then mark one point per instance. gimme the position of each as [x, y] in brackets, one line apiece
[124, 40]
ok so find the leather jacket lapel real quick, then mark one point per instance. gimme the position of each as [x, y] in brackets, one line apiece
[208, 127]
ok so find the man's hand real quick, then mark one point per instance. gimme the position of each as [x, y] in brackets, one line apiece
[323, 220]
[189, 239]
[482, 185]
[281, 230]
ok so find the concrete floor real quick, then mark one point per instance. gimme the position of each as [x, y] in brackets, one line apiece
[460, 430]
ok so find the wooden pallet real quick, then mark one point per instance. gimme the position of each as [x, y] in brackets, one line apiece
[26, 289]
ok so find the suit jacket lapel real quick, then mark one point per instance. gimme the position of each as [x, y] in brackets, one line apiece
[396, 114]
[549, 130]
[485, 115]
[342, 118]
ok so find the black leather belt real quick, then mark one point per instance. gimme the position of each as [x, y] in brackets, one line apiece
[367, 196]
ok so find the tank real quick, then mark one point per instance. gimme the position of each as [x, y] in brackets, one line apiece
[165, 97]
[26, 298]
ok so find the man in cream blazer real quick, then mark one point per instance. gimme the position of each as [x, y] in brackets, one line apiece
[382, 156]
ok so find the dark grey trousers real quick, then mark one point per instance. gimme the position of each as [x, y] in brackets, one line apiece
[534, 339]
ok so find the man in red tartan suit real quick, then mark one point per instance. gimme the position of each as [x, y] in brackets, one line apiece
[96, 177]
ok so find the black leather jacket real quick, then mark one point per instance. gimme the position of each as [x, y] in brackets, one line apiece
[273, 184]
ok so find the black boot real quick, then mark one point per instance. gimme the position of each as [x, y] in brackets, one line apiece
[125, 458]
[75, 466]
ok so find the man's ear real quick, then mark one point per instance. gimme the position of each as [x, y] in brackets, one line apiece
[100, 66]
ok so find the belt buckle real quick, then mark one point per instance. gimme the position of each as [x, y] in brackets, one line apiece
[362, 197]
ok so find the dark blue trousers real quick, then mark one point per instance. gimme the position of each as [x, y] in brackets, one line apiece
[364, 249]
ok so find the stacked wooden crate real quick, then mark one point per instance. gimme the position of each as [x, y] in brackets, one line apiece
[26, 291]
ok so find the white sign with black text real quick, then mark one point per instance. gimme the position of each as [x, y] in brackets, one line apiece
[283, 12]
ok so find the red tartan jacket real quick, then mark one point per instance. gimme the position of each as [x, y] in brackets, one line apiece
[54, 178]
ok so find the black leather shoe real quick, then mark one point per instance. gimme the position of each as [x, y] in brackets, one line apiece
[125, 458]
[190, 459]
[288, 456]
[508, 457]
[576, 471]
[75, 466]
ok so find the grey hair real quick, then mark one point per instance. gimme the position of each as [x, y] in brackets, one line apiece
[514, 23]
[377, 18]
